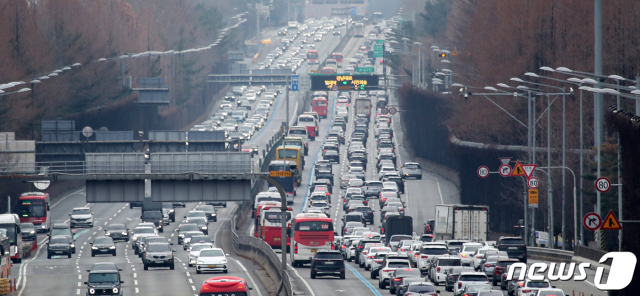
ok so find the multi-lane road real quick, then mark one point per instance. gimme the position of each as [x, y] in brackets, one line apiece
[65, 276]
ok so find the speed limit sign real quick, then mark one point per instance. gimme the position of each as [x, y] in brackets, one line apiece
[483, 171]
[603, 184]
[385, 111]
[533, 183]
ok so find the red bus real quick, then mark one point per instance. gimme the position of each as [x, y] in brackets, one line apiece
[319, 105]
[34, 207]
[309, 122]
[338, 57]
[328, 70]
[225, 286]
[310, 232]
[270, 225]
[312, 57]
[258, 215]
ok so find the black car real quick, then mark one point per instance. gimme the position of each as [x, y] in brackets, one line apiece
[325, 174]
[209, 211]
[104, 282]
[59, 245]
[360, 246]
[117, 232]
[153, 216]
[397, 179]
[367, 212]
[172, 211]
[229, 97]
[372, 188]
[104, 266]
[332, 156]
[178, 204]
[327, 263]
[337, 32]
[158, 255]
[183, 228]
[514, 246]
[103, 245]
[396, 277]
[323, 165]
[29, 232]
[203, 224]
[405, 282]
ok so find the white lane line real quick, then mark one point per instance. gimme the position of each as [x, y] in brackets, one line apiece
[303, 280]
[137, 291]
[190, 281]
[135, 275]
[252, 281]
[439, 191]
[79, 284]
[23, 269]
[70, 194]
[79, 276]
[193, 288]
[135, 282]
[188, 274]
[105, 222]
[78, 292]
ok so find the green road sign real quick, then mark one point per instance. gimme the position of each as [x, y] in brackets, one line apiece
[377, 54]
[378, 47]
[379, 41]
[365, 69]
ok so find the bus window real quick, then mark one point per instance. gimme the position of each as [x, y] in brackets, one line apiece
[290, 153]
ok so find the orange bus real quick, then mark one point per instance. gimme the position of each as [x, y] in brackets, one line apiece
[319, 105]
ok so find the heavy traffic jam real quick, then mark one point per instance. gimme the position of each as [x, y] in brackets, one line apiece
[350, 213]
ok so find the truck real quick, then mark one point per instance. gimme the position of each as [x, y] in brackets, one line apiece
[152, 212]
[462, 222]
[400, 224]
[292, 27]
[363, 106]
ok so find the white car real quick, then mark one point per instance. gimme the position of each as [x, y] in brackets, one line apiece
[478, 257]
[469, 278]
[553, 291]
[213, 259]
[414, 253]
[491, 244]
[195, 252]
[387, 270]
[530, 288]
[81, 217]
[441, 264]
[404, 247]
[141, 231]
[467, 251]
[372, 254]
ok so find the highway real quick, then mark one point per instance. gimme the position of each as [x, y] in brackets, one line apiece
[65, 276]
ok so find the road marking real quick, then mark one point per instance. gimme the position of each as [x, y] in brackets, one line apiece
[193, 288]
[190, 281]
[365, 281]
[188, 274]
[303, 280]
[439, 191]
[251, 278]
[23, 268]
[79, 276]
[79, 284]
[137, 291]
[135, 282]
[70, 194]
[135, 275]
[78, 291]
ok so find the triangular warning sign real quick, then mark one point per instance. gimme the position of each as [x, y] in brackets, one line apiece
[518, 170]
[528, 169]
[611, 222]
[455, 51]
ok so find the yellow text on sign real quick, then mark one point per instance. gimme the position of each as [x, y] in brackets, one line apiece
[280, 173]
[533, 196]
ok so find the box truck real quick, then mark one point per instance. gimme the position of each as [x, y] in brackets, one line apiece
[468, 222]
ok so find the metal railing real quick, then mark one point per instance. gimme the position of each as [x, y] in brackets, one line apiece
[549, 254]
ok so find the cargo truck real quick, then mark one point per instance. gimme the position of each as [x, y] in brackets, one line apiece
[464, 222]
[400, 224]
[363, 106]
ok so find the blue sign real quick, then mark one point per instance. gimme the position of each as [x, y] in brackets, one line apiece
[353, 11]
[294, 82]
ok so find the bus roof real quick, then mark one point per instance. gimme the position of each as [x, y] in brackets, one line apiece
[282, 162]
[34, 195]
[224, 284]
[290, 146]
[312, 217]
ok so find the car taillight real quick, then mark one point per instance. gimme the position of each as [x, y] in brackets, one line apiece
[333, 247]
[526, 291]
[438, 269]
[487, 265]
[397, 280]
[459, 285]
[345, 229]
[521, 284]
[344, 247]
[295, 249]
[365, 252]
[344, 200]
[370, 257]
[366, 202]
[387, 270]
[424, 256]
[382, 229]
[416, 255]
[359, 247]
[328, 193]
[384, 199]
[464, 255]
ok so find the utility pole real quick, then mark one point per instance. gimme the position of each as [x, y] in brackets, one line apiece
[598, 102]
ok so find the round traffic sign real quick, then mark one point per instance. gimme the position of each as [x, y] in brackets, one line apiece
[392, 110]
[504, 170]
[334, 87]
[385, 111]
[382, 104]
[603, 184]
[592, 221]
[483, 171]
[533, 183]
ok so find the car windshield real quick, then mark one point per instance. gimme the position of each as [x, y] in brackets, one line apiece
[477, 288]
[211, 253]
[143, 230]
[421, 289]
[103, 277]
[81, 212]
[189, 227]
[471, 248]
[151, 215]
[60, 231]
[398, 264]
[412, 166]
[328, 256]
[192, 234]
[195, 214]
[158, 248]
[538, 284]
[512, 241]
[58, 240]
[472, 278]
[117, 227]
[551, 293]
[103, 240]
[25, 227]
[200, 247]
[201, 238]
[449, 262]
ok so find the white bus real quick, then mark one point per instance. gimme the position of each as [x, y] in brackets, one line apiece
[359, 27]
[11, 223]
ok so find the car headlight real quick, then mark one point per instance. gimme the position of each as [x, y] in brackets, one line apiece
[200, 262]
[223, 262]
[204, 227]
[72, 245]
[107, 233]
[112, 247]
[115, 290]
[94, 248]
[92, 291]
[181, 235]
[32, 232]
[124, 233]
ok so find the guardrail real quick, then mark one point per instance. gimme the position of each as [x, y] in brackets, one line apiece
[257, 249]
[549, 254]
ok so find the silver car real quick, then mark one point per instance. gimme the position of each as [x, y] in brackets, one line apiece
[490, 264]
